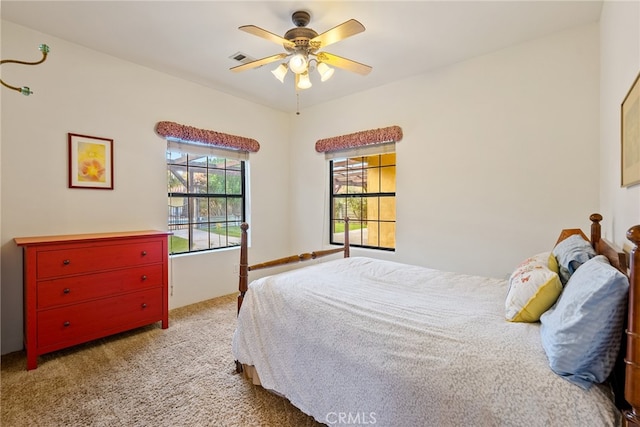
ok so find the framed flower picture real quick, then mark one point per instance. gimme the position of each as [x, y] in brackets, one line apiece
[90, 162]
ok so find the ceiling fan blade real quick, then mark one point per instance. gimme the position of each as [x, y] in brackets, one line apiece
[257, 31]
[344, 63]
[342, 31]
[259, 62]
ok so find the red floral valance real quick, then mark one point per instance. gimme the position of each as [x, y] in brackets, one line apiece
[359, 139]
[203, 136]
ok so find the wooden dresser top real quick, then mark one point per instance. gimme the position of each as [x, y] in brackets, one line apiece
[38, 240]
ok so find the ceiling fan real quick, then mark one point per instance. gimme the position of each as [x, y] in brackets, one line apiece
[303, 46]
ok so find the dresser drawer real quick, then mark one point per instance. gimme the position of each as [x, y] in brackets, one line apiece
[74, 289]
[78, 323]
[77, 259]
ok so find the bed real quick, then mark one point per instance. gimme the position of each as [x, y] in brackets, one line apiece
[357, 340]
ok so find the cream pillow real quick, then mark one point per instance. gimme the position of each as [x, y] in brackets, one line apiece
[533, 288]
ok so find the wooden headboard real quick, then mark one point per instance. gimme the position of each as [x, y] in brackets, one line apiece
[632, 359]
[629, 264]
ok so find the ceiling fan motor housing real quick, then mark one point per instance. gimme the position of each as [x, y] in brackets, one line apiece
[301, 35]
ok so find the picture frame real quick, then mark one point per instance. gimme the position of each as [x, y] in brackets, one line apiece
[630, 136]
[90, 162]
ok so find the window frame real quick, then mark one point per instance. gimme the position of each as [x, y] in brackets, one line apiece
[191, 196]
[333, 196]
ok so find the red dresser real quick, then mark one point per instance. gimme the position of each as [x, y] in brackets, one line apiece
[86, 286]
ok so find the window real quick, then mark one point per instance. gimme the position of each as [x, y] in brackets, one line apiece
[364, 189]
[206, 200]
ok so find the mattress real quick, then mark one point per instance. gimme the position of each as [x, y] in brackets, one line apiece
[365, 341]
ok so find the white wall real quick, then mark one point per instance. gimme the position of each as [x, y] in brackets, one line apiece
[619, 65]
[499, 154]
[82, 91]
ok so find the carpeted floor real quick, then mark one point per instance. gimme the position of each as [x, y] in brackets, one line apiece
[181, 376]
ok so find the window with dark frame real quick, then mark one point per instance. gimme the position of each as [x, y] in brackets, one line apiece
[364, 189]
[206, 201]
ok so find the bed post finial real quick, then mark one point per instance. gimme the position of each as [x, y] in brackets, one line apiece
[596, 231]
[244, 266]
[632, 359]
[346, 237]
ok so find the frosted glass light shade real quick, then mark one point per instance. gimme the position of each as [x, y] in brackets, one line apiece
[303, 81]
[280, 72]
[325, 71]
[298, 63]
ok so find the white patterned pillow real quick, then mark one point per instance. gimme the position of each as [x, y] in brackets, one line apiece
[533, 288]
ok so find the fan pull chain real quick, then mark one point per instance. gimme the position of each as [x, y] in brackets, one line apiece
[297, 104]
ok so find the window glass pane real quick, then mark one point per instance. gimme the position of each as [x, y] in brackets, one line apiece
[339, 177]
[355, 233]
[387, 234]
[339, 204]
[199, 209]
[217, 209]
[175, 157]
[234, 210]
[387, 209]
[216, 181]
[337, 228]
[219, 235]
[388, 159]
[177, 243]
[356, 177]
[373, 180]
[388, 179]
[357, 208]
[370, 233]
[198, 181]
[234, 164]
[200, 237]
[234, 182]
[177, 179]
[197, 161]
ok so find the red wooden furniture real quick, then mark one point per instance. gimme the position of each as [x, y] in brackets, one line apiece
[82, 287]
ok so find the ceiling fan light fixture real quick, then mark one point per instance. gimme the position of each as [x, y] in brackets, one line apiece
[303, 81]
[325, 71]
[298, 63]
[280, 72]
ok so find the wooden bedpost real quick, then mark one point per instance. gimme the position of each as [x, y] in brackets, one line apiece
[346, 237]
[595, 229]
[632, 372]
[244, 266]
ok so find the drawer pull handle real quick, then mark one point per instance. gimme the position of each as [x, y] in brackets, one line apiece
[66, 291]
[144, 253]
[66, 324]
[144, 305]
[144, 277]
[66, 262]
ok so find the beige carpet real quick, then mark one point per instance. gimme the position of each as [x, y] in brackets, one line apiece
[181, 376]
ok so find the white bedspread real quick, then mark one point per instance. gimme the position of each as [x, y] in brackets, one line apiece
[365, 341]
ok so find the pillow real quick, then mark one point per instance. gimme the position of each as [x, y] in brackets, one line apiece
[581, 333]
[533, 288]
[570, 254]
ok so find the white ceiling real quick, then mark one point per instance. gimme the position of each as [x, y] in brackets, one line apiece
[195, 39]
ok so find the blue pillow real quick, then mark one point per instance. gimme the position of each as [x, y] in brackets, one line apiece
[581, 332]
[570, 254]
